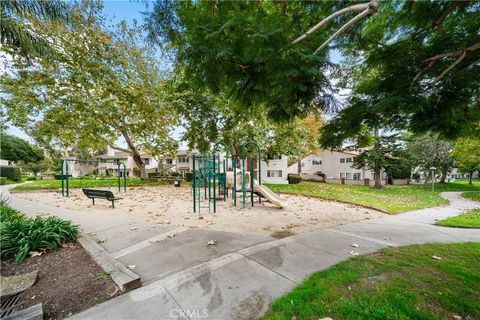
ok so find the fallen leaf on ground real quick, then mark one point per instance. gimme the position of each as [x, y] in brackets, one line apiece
[355, 245]
[385, 238]
[154, 241]
[211, 243]
[91, 233]
[354, 253]
[436, 257]
[35, 253]
[67, 245]
[102, 240]
[171, 235]
[131, 266]
[134, 228]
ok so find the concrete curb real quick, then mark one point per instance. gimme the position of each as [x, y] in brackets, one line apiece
[125, 279]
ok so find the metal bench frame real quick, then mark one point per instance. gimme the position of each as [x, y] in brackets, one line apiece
[100, 194]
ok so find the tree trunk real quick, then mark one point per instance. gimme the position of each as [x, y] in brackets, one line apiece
[299, 166]
[377, 169]
[444, 175]
[135, 154]
[427, 179]
[471, 177]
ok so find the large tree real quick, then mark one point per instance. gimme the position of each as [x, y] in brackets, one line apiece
[106, 86]
[15, 149]
[467, 154]
[419, 59]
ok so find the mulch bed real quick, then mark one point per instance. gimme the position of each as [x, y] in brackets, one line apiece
[68, 282]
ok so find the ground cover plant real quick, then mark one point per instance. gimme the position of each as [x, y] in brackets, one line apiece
[390, 199]
[469, 219]
[432, 281]
[20, 235]
[84, 183]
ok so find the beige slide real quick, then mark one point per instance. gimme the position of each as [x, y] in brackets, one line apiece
[269, 195]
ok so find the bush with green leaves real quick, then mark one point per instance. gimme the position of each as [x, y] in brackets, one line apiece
[20, 235]
[3, 181]
[294, 178]
[188, 176]
[12, 173]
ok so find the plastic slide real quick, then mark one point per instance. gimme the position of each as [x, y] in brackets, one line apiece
[269, 195]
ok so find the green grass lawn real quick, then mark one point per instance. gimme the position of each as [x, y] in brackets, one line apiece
[475, 196]
[395, 283]
[83, 183]
[391, 199]
[469, 219]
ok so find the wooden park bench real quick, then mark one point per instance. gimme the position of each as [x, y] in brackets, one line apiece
[100, 194]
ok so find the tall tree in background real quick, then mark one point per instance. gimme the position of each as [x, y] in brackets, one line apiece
[431, 151]
[18, 35]
[15, 149]
[106, 86]
[467, 155]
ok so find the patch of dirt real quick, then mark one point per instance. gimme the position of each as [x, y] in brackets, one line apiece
[68, 282]
[281, 234]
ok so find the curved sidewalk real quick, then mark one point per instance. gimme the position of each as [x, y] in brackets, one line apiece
[238, 278]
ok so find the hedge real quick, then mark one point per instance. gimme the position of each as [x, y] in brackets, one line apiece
[188, 176]
[3, 181]
[12, 173]
[294, 178]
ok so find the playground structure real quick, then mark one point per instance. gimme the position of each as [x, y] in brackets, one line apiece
[212, 173]
[65, 176]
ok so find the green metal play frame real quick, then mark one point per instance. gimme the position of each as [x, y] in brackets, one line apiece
[65, 173]
[206, 173]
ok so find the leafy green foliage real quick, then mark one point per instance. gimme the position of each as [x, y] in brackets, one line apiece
[475, 196]
[15, 149]
[107, 86]
[469, 219]
[3, 181]
[243, 50]
[467, 154]
[84, 183]
[20, 235]
[395, 283]
[17, 35]
[11, 173]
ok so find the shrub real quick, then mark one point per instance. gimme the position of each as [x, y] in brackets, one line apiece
[59, 176]
[175, 174]
[188, 176]
[154, 175]
[12, 173]
[20, 235]
[3, 181]
[31, 178]
[294, 178]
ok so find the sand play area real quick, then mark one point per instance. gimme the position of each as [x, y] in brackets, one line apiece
[167, 205]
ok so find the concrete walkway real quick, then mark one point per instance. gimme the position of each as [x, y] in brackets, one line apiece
[184, 278]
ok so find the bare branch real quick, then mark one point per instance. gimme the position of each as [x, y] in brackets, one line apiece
[419, 74]
[354, 8]
[371, 8]
[464, 54]
[457, 53]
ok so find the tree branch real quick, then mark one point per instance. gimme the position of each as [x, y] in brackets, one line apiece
[450, 8]
[457, 53]
[111, 145]
[419, 74]
[464, 54]
[354, 8]
[372, 7]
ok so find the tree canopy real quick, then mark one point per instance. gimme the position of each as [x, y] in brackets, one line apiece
[106, 86]
[15, 149]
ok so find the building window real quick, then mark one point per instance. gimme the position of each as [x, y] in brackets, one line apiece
[348, 176]
[303, 164]
[274, 157]
[357, 176]
[103, 161]
[274, 173]
[146, 161]
[316, 161]
[168, 161]
[183, 159]
[342, 160]
[349, 160]
[342, 175]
